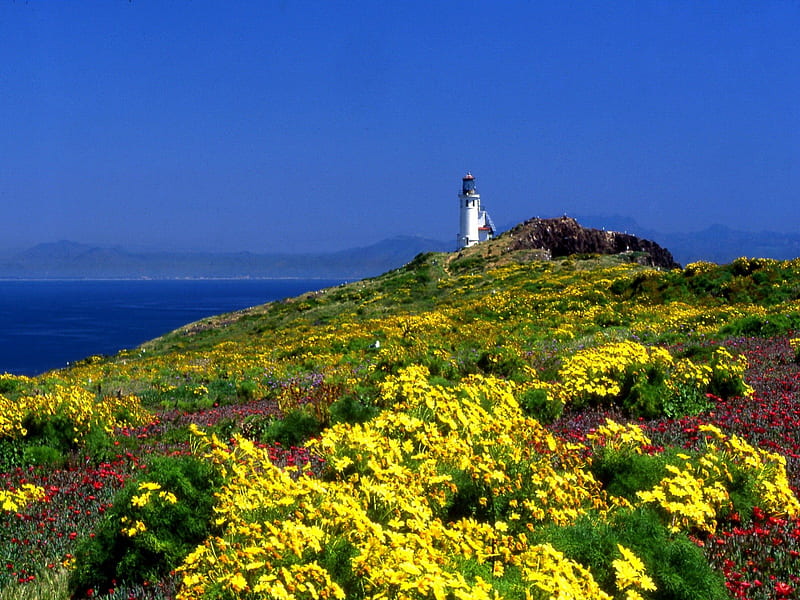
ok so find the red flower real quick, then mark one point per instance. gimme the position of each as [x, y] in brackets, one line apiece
[783, 589]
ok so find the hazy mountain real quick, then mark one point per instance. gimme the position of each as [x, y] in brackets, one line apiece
[66, 259]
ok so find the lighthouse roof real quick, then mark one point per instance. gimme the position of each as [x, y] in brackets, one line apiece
[468, 176]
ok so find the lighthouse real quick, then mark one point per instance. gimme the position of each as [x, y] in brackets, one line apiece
[475, 225]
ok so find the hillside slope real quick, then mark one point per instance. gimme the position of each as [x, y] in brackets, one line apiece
[400, 429]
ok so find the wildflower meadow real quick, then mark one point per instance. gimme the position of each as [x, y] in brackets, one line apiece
[479, 425]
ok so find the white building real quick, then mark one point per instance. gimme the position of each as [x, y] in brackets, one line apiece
[475, 224]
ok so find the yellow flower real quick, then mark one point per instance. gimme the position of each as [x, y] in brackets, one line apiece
[238, 582]
[149, 485]
[168, 497]
[140, 500]
[630, 571]
[136, 528]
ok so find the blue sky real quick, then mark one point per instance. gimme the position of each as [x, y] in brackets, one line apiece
[269, 126]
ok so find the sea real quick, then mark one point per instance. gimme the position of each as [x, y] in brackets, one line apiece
[46, 324]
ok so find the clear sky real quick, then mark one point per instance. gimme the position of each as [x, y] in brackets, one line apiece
[264, 126]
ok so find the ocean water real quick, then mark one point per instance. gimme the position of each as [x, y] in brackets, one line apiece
[45, 325]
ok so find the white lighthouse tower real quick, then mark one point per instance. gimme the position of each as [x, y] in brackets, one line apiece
[475, 225]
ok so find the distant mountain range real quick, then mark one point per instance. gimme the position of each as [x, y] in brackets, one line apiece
[67, 259]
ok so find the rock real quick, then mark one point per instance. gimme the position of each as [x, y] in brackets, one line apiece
[565, 236]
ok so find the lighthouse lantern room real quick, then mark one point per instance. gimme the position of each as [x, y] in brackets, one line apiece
[475, 225]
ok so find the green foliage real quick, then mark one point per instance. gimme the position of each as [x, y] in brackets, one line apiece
[56, 431]
[99, 446]
[645, 391]
[500, 361]
[438, 366]
[649, 382]
[170, 529]
[764, 326]
[646, 394]
[726, 382]
[466, 503]
[743, 490]
[687, 400]
[696, 352]
[177, 435]
[295, 428]
[247, 390]
[677, 566]
[42, 456]
[590, 541]
[337, 558]
[195, 396]
[225, 428]
[494, 318]
[50, 584]
[538, 404]
[9, 385]
[254, 427]
[11, 454]
[349, 409]
[625, 472]
[510, 586]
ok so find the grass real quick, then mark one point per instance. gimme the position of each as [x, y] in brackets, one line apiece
[48, 585]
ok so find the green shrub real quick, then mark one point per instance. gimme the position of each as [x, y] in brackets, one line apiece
[687, 400]
[743, 492]
[468, 264]
[678, 567]
[646, 399]
[223, 391]
[11, 454]
[537, 403]
[42, 456]
[625, 472]
[466, 501]
[337, 559]
[247, 390]
[254, 427]
[294, 429]
[644, 390]
[500, 361]
[56, 431]
[176, 435]
[590, 541]
[9, 384]
[349, 409]
[438, 365]
[764, 326]
[727, 380]
[117, 552]
[99, 446]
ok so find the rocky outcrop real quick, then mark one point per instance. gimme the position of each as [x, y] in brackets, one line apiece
[565, 236]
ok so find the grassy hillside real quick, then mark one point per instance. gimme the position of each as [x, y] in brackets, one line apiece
[439, 431]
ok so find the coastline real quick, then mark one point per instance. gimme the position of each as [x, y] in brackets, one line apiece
[46, 324]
